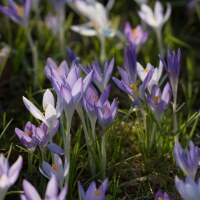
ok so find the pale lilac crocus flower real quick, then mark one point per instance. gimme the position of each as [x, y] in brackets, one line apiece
[143, 72]
[28, 136]
[44, 138]
[100, 77]
[30, 193]
[92, 192]
[57, 169]
[51, 113]
[158, 101]
[8, 175]
[137, 36]
[106, 113]
[188, 159]
[161, 196]
[188, 189]
[18, 13]
[52, 23]
[99, 23]
[157, 18]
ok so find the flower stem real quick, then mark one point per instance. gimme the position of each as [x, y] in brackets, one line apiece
[103, 151]
[159, 39]
[61, 14]
[34, 57]
[103, 50]
[89, 141]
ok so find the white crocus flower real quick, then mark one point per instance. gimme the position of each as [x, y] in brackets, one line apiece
[142, 73]
[50, 114]
[157, 18]
[99, 23]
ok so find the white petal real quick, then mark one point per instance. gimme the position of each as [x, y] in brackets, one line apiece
[33, 109]
[84, 30]
[50, 114]
[48, 98]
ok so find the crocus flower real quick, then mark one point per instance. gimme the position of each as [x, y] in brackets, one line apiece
[30, 193]
[188, 189]
[143, 72]
[51, 113]
[28, 136]
[18, 13]
[188, 159]
[8, 175]
[100, 79]
[73, 58]
[137, 36]
[91, 98]
[52, 23]
[69, 85]
[172, 67]
[161, 196]
[44, 138]
[129, 75]
[155, 19]
[57, 169]
[106, 113]
[158, 101]
[98, 16]
[92, 192]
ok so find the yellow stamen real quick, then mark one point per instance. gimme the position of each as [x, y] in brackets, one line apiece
[160, 198]
[146, 69]
[97, 193]
[134, 88]
[156, 99]
[55, 167]
[28, 133]
[95, 97]
[134, 32]
[45, 107]
[20, 11]
[95, 25]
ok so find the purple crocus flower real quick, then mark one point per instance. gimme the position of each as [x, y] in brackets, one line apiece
[135, 93]
[30, 193]
[69, 85]
[19, 14]
[92, 192]
[91, 98]
[137, 36]
[73, 58]
[106, 112]
[172, 67]
[44, 137]
[57, 169]
[158, 101]
[161, 196]
[100, 79]
[189, 190]
[187, 160]
[8, 175]
[128, 76]
[28, 136]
